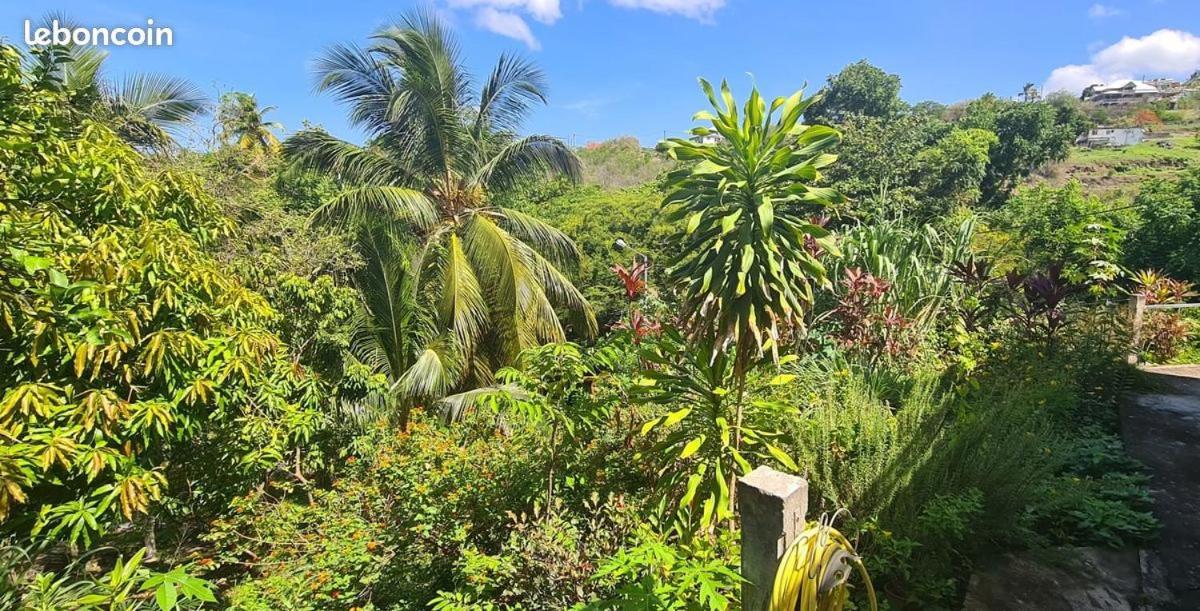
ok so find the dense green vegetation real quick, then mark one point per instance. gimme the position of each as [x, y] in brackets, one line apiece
[459, 368]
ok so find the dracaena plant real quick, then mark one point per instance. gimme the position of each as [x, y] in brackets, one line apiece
[1040, 300]
[746, 263]
[695, 443]
[975, 275]
[869, 326]
[748, 247]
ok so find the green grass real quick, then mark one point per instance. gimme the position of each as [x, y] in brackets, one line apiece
[1185, 149]
[1119, 172]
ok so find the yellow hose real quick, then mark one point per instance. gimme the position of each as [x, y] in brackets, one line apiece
[812, 558]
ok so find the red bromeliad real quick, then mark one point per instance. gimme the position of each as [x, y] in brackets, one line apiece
[639, 325]
[634, 278]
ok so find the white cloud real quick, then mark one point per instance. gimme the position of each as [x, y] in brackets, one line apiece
[1100, 11]
[1162, 53]
[504, 17]
[545, 11]
[507, 24]
[1074, 78]
[701, 10]
[1166, 51]
[589, 107]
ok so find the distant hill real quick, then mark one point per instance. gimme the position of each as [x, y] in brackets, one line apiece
[621, 162]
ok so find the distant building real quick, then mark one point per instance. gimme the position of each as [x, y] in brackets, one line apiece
[1112, 136]
[1123, 93]
[711, 138]
[1030, 93]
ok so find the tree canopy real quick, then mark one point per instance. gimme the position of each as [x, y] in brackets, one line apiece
[859, 89]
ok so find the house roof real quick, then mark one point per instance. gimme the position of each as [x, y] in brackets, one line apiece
[1125, 86]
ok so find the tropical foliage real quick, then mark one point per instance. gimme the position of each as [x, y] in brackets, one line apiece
[455, 285]
[433, 371]
[243, 123]
[146, 110]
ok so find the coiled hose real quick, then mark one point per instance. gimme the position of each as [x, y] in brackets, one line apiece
[814, 571]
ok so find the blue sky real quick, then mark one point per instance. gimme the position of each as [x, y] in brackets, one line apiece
[629, 67]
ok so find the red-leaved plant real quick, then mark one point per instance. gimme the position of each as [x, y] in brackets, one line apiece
[1163, 333]
[634, 278]
[1039, 301]
[1159, 288]
[868, 326]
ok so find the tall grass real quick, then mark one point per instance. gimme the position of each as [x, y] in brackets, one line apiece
[916, 261]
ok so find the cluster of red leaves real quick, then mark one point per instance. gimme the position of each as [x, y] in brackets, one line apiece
[1164, 335]
[867, 323]
[634, 278]
[639, 325]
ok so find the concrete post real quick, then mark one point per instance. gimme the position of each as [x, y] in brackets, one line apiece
[772, 507]
[1137, 311]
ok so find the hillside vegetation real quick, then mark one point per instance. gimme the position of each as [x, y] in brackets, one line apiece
[1170, 149]
[620, 163]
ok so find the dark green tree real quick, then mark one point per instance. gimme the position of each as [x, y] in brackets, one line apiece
[859, 89]
[1029, 136]
[1168, 238]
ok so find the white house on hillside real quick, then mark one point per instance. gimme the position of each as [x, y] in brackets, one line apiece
[709, 138]
[1112, 136]
[1122, 93]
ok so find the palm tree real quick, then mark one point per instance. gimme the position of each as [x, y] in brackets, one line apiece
[143, 109]
[243, 123]
[484, 280]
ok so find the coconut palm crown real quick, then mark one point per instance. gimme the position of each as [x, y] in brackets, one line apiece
[439, 150]
[145, 110]
[243, 123]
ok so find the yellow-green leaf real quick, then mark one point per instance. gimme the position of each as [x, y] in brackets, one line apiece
[676, 416]
[646, 428]
[692, 446]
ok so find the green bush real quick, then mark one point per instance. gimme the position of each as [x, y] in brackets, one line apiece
[390, 530]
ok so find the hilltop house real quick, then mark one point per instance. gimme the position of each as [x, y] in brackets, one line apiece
[1122, 93]
[709, 138]
[1112, 136]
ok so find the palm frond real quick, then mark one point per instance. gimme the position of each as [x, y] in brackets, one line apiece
[437, 369]
[521, 159]
[431, 86]
[317, 149]
[455, 406]
[503, 272]
[392, 326]
[359, 205]
[542, 236]
[354, 76]
[563, 293]
[514, 86]
[166, 101]
[462, 308]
